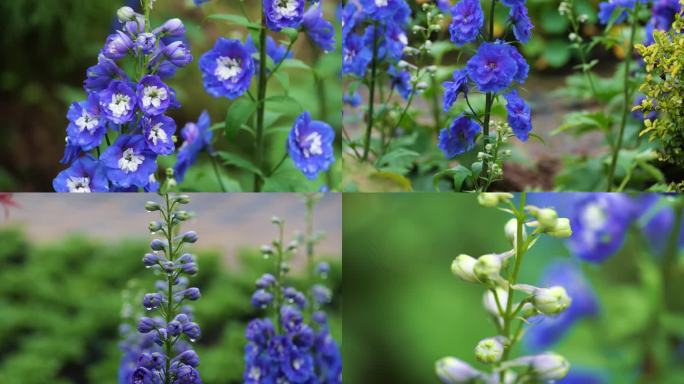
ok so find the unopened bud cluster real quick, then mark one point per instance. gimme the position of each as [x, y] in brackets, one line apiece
[508, 301]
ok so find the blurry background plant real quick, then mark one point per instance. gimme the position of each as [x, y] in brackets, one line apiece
[623, 326]
[63, 327]
[35, 95]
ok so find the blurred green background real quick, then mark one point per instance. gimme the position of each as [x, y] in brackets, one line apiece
[49, 44]
[61, 301]
[398, 250]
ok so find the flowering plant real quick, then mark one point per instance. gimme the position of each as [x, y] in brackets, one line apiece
[170, 359]
[407, 53]
[243, 70]
[293, 343]
[115, 136]
[498, 273]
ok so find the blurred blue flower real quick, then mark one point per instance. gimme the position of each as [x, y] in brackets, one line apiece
[319, 30]
[196, 137]
[468, 19]
[519, 115]
[459, 137]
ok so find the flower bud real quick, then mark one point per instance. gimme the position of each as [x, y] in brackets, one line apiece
[192, 294]
[489, 301]
[150, 259]
[125, 14]
[178, 54]
[174, 328]
[511, 231]
[189, 237]
[152, 300]
[181, 215]
[117, 45]
[158, 245]
[462, 266]
[528, 310]
[155, 226]
[551, 301]
[265, 281]
[146, 42]
[152, 206]
[276, 220]
[261, 298]
[181, 318]
[172, 27]
[189, 357]
[562, 228]
[549, 366]
[189, 268]
[192, 330]
[489, 350]
[183, 199]
[492, 199]
[487, 267]
[547, 218]
[451, 370]
[146, 325]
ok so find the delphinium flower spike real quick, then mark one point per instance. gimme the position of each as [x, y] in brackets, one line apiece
[115, 136]
[327, 355]
[234, 69]
[170, 322]
[496, 69]
[498, 274]
[280, 345]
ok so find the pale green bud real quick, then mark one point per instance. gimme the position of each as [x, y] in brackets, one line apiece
[549, 366]
[487, 267]
[451, 370]
[547, 218]
[511, 231]
[551, 301]
[125, 14]
[462, 266]
[492, 199]
[561, 229]
[489, 350]
[152, 206]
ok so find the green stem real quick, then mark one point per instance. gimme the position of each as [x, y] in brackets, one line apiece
[401, 117]
[279, 274]
[520, 248]
[627, 95]
[261, 106]
[217, 173]
[169, 307]
[310, 248]
[374, 67]
[489, 100]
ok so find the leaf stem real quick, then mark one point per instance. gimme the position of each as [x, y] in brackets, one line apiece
[261, 106]
[217, 173]
[374, 67]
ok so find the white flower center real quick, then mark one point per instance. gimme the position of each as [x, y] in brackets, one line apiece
[153, 96]
[287, 8]
[297, 363]
[78, 184]
[254, 373]
[312, 145]
[380, 3]
[129, 161]
[158, 134]
[120, 104]
[87, 122]
[228, 68]
[594, 217]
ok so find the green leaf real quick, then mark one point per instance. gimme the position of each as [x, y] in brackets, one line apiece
[283, 79]
[235, 19]
[459, 174]
[398, 160]
[238, 161]
[582, 122]
[295, 64]
[537, 137]
[237, 115]
[284, 104]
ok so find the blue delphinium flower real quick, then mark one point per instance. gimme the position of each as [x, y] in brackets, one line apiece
[129, 162]
[227, 69]
[277, 52]
[355, 55]
[87, 127]
[158, 132]
[400, 80]
[319, 30]
[118, 106]
[658, 228]
[609, 7]
[662, 16]
[84, 175]
[583, 376]
[542, 334]
[154, 97]
[599, 222]
[200, 2]
[391, 11]
[310, 145]
[118, 102]
[519, 115]
[454, 88]
[283, 13]
[522, 26]
[196, 137]
[353, 99]
[493, 68]
[459, 137]
[468, 19]
[173, 331]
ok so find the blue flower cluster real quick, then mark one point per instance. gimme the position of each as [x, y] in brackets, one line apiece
[380, 26]
[618, 7]
[295, 352]
[173, 331]
[131, 107]
[495, 67]
[230, 66]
